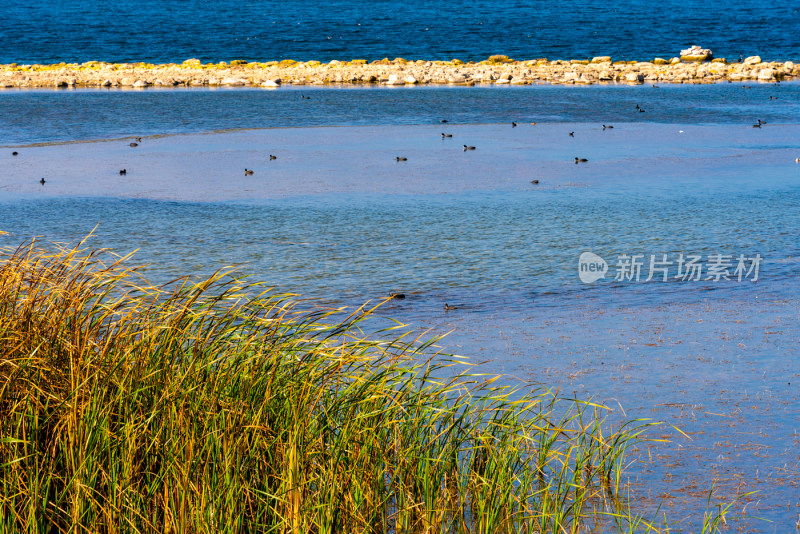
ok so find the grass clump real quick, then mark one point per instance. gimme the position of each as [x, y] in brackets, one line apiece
[216, 407]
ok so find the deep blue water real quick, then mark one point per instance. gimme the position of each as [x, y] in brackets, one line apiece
[169, 31]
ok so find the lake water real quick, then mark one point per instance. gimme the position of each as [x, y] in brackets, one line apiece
[154, 30]
[337, 218]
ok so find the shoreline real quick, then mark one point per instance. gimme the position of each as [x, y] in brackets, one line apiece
[497, 70]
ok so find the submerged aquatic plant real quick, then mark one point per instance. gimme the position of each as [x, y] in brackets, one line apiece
[220, 407]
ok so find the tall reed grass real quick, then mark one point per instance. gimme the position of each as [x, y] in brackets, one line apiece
[218, 407]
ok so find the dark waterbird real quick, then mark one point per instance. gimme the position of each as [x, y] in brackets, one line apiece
[572, 134]
[534, 181]
[607, 127]
[123, 172]
[271, 157]
[401, 158]
[513, 124]
[134, 144]
[446, 135]
[448, 307]
[15, 153]
[468, 148]
[248, 172]
[42, 181]
[580, 160]
[395, 295]
[444, 121]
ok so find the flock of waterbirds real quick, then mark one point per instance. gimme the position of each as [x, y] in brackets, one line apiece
[514, 124]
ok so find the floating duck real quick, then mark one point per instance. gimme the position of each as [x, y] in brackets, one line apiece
[468, 148]
[607, 127]
[134, 144]
[448, 307]
[572, 134]
[15, 153]
[580, 160]
[42, 181]
[446, 135]
[444, 121]
[401, 158]
[271, 157]
[513, 124]
[395, 295]
[534, 181]
[248, 172]
[123, 172]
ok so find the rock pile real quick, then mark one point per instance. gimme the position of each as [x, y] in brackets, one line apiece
[691, 67]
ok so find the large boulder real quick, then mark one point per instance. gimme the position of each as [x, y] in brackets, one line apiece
[394, 79]
[766, 75]
[696, 53]
[634, 77]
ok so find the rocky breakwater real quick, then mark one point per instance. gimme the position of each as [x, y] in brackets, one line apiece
[695, 67]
